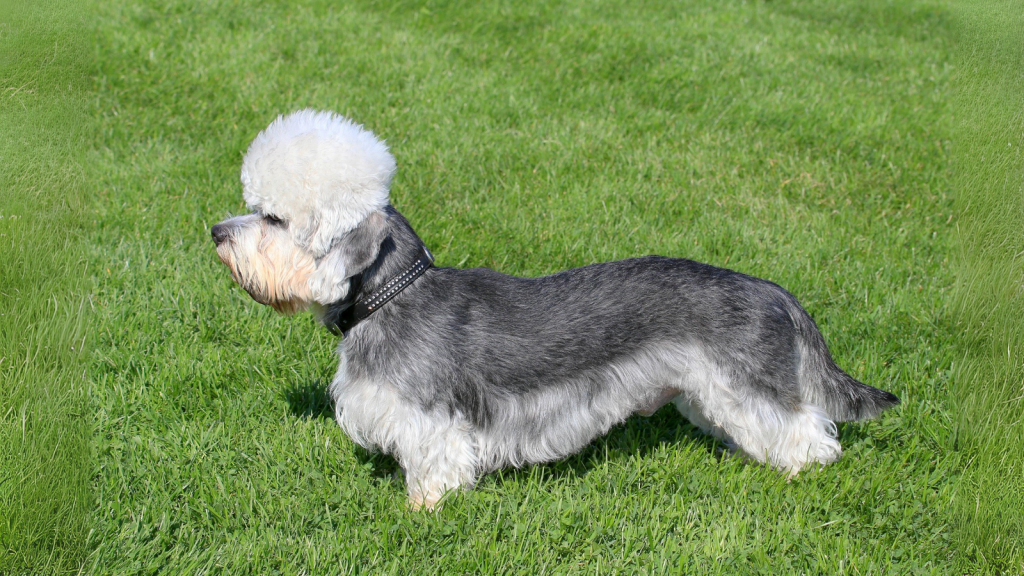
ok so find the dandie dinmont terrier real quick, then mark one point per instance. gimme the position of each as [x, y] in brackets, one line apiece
[456, 373]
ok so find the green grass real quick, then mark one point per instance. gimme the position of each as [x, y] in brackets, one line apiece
[819, 144]
[988, 378]
[45, 465]
[802, 143]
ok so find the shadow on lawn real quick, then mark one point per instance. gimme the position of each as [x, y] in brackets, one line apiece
[640, 436]
[636, 436]
[312, 401]
[309, 400]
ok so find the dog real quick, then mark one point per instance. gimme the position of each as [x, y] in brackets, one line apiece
[459, 372]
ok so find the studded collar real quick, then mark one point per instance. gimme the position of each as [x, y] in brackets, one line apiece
[342, 322]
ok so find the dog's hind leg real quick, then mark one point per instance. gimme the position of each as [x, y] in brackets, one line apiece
[439, 456]
[763, 428]
[691, 410]
[787, 439]
[807, 436]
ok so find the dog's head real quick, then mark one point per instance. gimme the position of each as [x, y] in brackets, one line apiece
[317, 185]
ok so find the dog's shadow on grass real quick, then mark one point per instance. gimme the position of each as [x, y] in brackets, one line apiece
[637, 437]
[309, 400]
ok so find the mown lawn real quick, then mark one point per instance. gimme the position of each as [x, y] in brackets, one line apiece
[45, 463]
[810, 143]
[988, 301]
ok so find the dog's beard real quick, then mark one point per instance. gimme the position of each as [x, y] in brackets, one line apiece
[272, 272]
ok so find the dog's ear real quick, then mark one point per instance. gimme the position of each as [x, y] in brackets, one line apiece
[356, 251]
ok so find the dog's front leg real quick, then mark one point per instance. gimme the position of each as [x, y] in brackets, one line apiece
[441, 459]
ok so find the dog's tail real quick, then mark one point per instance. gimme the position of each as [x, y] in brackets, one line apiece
[825, 384]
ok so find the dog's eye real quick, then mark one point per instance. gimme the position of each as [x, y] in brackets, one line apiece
[274, 220]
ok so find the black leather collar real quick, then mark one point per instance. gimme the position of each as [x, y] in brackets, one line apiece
[342, 322]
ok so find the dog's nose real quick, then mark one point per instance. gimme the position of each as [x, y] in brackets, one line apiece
[219, 233]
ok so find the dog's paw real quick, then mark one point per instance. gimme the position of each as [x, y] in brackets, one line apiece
[428, 503]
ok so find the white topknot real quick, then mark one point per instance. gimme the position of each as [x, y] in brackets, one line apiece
[321, 172]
